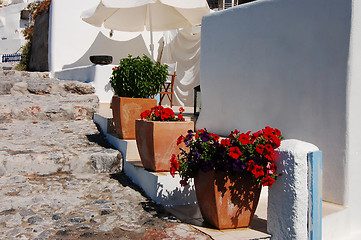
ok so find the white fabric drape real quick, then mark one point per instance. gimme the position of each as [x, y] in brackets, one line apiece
[183, 46]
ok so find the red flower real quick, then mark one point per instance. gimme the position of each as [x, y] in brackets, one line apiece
[275, 141]
[259, 149]
[181, 109]
[250, 165]
[244, 138]
[268, 181]
[268, 130]
[233, 134]
[167, 113]
[199, 132]
[269, 148]
[180, 117]
[225, 142]
[234, 152]
[256, 135]
[277, 132]
[180, 139]
[268, 153]
[145, 114]
[271, 168]
[215, 136]
[257, 171]
[174, 166]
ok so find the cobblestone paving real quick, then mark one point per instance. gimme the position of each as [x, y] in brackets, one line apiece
[91, 206]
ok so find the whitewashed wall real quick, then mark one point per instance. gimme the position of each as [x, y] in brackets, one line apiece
[72, 41]
[290, 64]
[353, 131]
[11, 38]
[288, 198]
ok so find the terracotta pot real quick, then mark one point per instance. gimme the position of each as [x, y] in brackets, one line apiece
[126, 111]
[226, 201]
[157, 141]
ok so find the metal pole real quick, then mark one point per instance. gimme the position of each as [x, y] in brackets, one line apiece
[151, 46]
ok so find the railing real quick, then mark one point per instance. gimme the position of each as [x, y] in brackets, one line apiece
[11, 57]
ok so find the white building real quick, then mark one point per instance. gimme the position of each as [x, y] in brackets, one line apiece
[293, 65]
[12, 22]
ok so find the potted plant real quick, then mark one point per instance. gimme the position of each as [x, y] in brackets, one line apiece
[134, 81]
[228, 173]
[157, 133]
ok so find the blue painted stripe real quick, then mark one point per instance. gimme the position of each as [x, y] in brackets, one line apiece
[315, 195]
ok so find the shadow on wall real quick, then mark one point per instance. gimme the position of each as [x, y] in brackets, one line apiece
[102, 45]
[178, 196]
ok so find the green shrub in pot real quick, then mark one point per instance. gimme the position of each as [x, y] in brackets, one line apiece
[138, 77]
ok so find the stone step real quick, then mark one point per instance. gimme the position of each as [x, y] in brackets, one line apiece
[47, 107]
[49, 147]
[23, 74]
[36, 97]
[41, 86]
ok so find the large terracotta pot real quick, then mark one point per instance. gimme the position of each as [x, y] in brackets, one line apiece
[126, 111]
[226, 201]
[157, 141]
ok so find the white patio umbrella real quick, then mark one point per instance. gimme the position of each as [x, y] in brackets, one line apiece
[153, 15]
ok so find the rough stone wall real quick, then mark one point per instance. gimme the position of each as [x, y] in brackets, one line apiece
[39, 49]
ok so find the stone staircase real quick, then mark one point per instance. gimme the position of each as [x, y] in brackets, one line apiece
[46, 127]
[34, 96]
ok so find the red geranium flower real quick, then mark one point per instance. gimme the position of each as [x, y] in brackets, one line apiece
[275, 141]
[225, 142]
[255, 136]
[268, 153]
[233, 134]
[257, 171]
[269, 148]
[145, 114]
[234, 152]
[180, 117]
[180, 139]
[215, 136]
[271, 168]
[244, 138]
[199, 132]
[277, 132]
[268, 181]
[173, 165]
[260, 149]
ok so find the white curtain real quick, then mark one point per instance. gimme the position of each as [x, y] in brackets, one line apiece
[183, 46]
